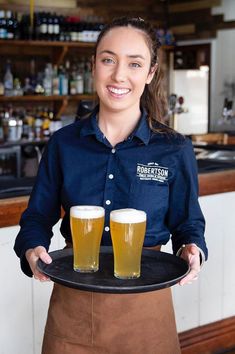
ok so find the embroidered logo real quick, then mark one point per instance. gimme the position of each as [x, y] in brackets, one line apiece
[152, 172]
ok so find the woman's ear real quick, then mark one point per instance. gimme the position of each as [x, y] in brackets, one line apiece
[151, 73]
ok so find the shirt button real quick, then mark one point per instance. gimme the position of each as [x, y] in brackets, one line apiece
[113, 151]
[108, 202]
[106, 228]
[111, 176]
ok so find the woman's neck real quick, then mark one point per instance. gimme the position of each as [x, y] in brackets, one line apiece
[117, 126]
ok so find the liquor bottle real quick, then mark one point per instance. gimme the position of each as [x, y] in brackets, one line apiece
[1, 126]
[80, 79]
[73, 81]
[3, 30]
[43, 26]
[47, 80]
[25, 128]
[38, 125]
[1, 86]
[45, 125]
[50, 27]
[56, 27]
[16, 24]
[62, 34]
[37, 26]
[17, 89]
[9, 25]
[88, 79]
[25, 27]
[63, 81]
[55, 81]
[8, 80]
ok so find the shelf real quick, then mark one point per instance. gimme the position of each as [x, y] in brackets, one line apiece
[40, 98]
[34, 43]
[16, 42]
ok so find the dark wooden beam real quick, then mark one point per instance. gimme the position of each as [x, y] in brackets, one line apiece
[193, 5]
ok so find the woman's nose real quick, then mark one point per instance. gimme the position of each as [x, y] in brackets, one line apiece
[119, 73]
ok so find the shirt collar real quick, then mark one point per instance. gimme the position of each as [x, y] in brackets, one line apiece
[142, 130]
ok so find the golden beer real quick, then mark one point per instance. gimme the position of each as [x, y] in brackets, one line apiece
[87, 223]
[127, 228]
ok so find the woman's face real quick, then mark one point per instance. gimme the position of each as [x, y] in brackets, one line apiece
[122, 68]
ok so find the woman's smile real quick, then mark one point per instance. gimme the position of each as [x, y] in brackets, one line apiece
[117, 92]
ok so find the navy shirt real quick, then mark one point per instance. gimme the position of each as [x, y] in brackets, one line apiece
[154, 172]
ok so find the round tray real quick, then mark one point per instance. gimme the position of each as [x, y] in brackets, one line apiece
[158, 270]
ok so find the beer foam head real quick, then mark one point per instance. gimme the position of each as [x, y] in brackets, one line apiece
[126, 216]
[86, 211]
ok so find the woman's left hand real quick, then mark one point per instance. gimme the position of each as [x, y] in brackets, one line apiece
[191, 254]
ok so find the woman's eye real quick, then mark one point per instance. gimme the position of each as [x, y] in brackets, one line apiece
[108, 61]
[135, 65]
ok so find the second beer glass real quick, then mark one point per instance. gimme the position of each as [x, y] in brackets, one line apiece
[87, 223]
[127, 228]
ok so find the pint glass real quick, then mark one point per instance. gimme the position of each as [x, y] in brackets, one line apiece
[127, 228]
[87, 223]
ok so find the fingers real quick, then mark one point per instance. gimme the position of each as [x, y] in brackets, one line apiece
[190, 277]
[41, 253]
[192, 255]
[32, 256]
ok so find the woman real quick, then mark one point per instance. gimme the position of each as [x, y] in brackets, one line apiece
[121, 156]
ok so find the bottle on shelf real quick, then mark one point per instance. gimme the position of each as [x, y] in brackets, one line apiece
[63, 80]
[10, 25]
[55, 81]
[17, 88]
[88, 79]
[1, 87]
[47, 80]
[8, 80]
[1, 126]
[3, 25]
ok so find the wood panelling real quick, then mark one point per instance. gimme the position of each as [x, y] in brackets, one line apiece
[11, 210]
[216, 182]
[213, 338]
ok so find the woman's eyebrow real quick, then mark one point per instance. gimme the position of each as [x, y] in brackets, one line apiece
[133, 56]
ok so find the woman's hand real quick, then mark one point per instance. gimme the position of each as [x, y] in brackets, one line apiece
[32, 255]
[191, 254]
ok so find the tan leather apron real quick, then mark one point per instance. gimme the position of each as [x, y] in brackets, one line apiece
[81, 322]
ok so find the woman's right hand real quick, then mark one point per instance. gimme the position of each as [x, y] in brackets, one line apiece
[32, 255]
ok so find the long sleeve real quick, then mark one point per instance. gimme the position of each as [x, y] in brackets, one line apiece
[185, 219]
[44, 206]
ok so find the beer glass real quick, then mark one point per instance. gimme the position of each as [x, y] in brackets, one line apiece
[127, 228]
[87, 223]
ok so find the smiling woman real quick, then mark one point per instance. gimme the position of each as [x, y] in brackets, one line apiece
[120, 157]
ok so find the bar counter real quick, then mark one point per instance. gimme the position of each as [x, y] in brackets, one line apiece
[209, 183]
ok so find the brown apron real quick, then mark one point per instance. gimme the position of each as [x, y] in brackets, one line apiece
[81, 322]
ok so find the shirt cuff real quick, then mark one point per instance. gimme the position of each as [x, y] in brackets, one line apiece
[202, 254]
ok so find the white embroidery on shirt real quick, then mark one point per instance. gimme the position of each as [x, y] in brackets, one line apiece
[152, 172]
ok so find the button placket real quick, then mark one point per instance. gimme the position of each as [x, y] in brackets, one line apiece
[109, 187]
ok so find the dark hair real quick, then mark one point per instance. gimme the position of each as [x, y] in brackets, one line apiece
[153, 98]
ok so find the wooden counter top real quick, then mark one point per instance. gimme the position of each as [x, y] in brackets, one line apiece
[209, 183]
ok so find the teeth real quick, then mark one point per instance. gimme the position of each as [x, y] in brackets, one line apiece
[118, 91]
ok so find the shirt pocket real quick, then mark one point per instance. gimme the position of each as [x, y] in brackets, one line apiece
[151, 197]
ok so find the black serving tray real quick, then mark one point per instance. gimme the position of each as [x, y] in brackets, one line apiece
[158, 270]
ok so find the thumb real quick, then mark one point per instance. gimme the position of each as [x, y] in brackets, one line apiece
[41, 253]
